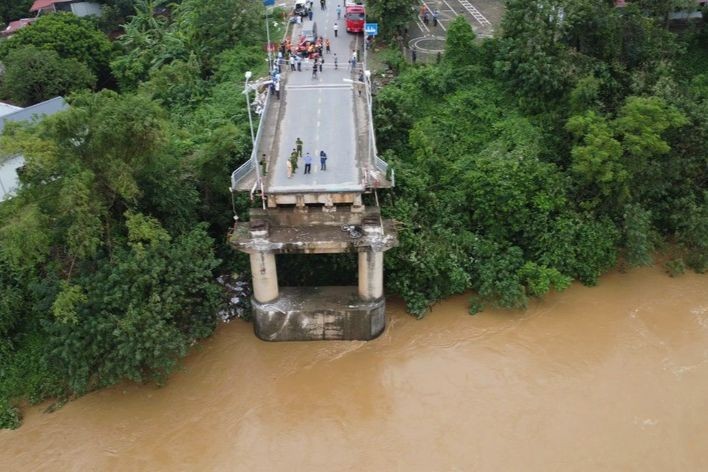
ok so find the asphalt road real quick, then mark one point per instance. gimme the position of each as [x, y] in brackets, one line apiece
[320, 111]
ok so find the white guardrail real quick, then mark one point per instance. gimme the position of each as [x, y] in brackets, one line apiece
[252, 163]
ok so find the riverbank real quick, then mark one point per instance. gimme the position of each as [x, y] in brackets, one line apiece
[609, 377]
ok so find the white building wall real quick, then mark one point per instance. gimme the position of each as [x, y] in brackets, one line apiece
[86, 9]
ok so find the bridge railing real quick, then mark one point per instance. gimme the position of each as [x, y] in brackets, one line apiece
[243, 170]
[252, 163]
[374, 158]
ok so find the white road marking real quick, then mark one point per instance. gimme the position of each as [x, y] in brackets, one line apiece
[476, 14]
[333, 85]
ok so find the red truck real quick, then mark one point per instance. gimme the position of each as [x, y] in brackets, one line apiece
[355, 17]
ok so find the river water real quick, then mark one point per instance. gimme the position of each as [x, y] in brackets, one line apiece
[613, 377]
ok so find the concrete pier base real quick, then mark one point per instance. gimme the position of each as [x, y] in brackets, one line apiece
[319, 313]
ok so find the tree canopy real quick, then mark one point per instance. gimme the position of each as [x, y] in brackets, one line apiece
[70, 37]
[33, 75]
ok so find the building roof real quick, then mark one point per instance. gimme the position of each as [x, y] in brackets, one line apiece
[46, 108]
[16, 25]
[41, 4]
[6, 109]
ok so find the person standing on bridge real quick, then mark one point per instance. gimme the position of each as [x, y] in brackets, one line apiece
[323, 160]
[335, 28]
[264, 165]
[293, 162]
[298, 147]
[308, 163]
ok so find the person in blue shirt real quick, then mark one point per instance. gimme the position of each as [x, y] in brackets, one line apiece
[308, 163]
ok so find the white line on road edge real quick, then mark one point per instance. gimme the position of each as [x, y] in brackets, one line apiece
[450, 7]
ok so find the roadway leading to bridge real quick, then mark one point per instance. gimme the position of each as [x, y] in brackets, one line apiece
[320, 111]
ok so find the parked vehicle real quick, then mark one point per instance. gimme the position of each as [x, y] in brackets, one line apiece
[300, 8]
[355, 17]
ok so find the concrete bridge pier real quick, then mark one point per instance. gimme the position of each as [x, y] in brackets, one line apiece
[263, 268]
[265, 276]
[370, 275]
[371, 262]
[326, 312]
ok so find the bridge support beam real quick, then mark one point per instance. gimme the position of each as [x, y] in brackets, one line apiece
[370, 275]
[265, 277]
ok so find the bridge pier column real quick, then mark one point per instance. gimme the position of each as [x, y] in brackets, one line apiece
[265, 277]
[370, 275]
[263, 269]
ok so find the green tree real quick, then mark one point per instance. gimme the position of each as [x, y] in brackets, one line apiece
[639, 236]
[70, 37]
[140, 313]
[597, 160]
[149, 42]
[393, 16]
[213, 26]
[460, 49]
[14, 9]
[531, 57]
[33, 75]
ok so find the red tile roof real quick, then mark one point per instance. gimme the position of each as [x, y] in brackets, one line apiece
[41, 4]
[16, 25]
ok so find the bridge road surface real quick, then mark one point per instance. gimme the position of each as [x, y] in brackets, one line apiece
[320, 112]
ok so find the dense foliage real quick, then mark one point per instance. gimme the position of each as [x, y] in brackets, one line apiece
[70, 37]
[570, 142]
[14, 10]
[111, 246]
[33, 75]
[392, 16]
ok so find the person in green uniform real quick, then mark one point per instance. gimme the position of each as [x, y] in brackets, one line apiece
[293, 159]
[298, 146]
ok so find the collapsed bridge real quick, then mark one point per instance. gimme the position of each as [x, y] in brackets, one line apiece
[323, 211]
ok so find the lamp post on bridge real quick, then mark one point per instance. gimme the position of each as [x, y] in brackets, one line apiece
[248, 105]
[259, 181]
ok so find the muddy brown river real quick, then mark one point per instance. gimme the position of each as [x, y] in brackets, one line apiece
[613, 377]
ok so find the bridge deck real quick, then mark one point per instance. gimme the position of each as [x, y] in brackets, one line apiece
[328, 112]
[322, 115]
[322, 112]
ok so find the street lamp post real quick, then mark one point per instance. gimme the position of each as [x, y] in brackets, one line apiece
[270, 53]
[248, 105]
[259, 181]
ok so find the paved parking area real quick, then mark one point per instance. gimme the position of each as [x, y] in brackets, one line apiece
[428, 40]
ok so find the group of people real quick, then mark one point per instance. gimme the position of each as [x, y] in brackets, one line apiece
[292, 162]
[314, 48]
[425, 15]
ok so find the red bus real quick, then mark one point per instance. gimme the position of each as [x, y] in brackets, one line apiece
[355, 17]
